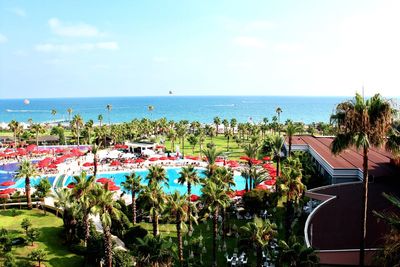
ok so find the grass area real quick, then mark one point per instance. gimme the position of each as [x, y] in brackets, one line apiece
[50, 239]
[220, 142]
[205, 230]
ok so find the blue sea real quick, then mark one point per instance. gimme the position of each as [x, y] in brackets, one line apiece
[200, 108]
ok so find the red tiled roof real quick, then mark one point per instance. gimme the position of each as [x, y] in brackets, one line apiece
[378, 159]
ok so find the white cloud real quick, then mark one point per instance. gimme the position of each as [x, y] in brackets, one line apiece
[77, 30]
[247, 41]
[3, 38]
[18, 11]
[69, 48]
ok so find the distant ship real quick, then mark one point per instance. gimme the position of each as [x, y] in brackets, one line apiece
[170, 92]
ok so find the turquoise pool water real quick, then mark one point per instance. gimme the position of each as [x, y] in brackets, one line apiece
[172, 175]
[8, 171]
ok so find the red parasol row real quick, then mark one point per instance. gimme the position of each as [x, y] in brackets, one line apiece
[7, 183]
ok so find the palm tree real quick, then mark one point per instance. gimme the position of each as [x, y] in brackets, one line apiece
[53, 112]
[81, 193]
[259, 232]
[133, 184]
[154, 252]
[277, 142]
[89, 128]
[100, 119]
[224, 178]
[156, 175]
[390, 255]
[155, 196]
[214, 197]
[362, 123]
[211, 155]
[16, 128]
[109, 108]
[291, 130]
[291, 185]
[69, 111]
[26, 171]
[295, 253]
[189, 176]
[37, 128]
[278, 112]
[177, 206]
[76, 125]
[107, 209]
[217, 122]
[172, 137]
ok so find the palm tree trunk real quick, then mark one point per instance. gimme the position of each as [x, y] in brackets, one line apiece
[290, 145]
[28, 193]
[288, 218]
[155, 224]
[94, 165]
[108, 246]
[189, 211]
[15, 138]
[179, 236]
[215, 233]
[223, 223]
[37, 138]
[259, 256]
[364, 207]
[246, 186]
[133, 208]
[87, 227]
[77, 135]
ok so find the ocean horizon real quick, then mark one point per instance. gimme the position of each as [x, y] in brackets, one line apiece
[201, 108]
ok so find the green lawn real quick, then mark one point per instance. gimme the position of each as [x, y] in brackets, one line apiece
[220, 142]
[50, 238]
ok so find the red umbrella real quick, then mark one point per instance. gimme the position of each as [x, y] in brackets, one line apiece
[52, 166]
[172, 158]
[30, 148]
[120, 146]
[270, 182]
[5, 196]
[266, 158]
[219, 160]
[233, 164]
[160, 146]
[262, 186]
[153, 159]
[255, 161]
[7, 183]
[103, 180]
[7, 191]
[244, 158]
[87, 164]
[44, 162]
[139, 160]
[240, 193]
[71, 185]
[194, 198]
[163, 158]
[115, 163]
[129, 161]
[268, 166]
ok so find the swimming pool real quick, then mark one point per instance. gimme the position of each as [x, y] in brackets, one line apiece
[8, 171]
[172, 175]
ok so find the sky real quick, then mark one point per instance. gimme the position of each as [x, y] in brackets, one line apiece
[70, 48]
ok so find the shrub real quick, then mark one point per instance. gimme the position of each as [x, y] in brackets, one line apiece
[131, 235]
[121, 258]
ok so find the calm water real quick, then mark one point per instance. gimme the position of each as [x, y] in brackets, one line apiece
[201, 108]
